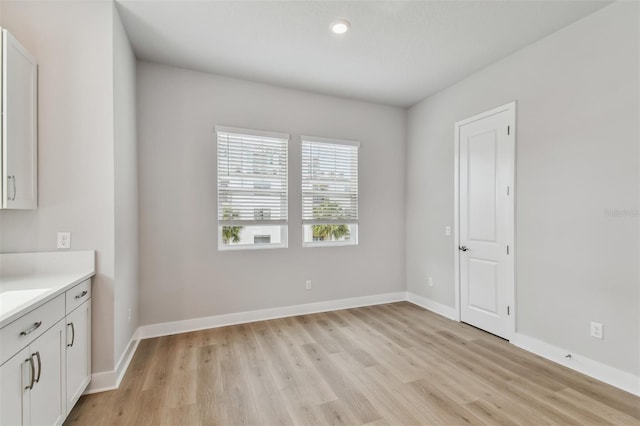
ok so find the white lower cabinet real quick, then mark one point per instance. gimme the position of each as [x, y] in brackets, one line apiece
[78, 351]
[32, 382]
[14, 390]
[46, 360]
[48, 405]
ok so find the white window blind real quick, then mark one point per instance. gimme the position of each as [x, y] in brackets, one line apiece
[252, 177]
[329, 181]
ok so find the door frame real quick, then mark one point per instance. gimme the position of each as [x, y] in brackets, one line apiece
[511, 287]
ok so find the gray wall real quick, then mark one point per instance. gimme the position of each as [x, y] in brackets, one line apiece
[182, 274]
[87, 161]
[126, 188]
[72, 42]
[577, 158]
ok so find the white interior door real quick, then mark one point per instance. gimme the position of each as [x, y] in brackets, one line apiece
[486, 148]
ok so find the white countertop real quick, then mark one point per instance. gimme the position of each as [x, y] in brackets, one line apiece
[28, 280]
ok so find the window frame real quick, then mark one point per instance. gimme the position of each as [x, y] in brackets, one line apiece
[283, 224]
[354, 224]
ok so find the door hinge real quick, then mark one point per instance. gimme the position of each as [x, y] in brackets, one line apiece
[507, 190]
[508, 130]
[507, 249]
[508, 311]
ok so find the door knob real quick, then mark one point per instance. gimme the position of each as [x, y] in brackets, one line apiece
[463, 248]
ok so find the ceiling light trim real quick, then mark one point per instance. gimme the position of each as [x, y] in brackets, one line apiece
[340, 26]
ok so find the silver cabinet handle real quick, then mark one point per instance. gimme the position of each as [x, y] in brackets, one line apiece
[33, 372]
[81, 295]
[37, 354]
[36, 325]
[73, 335]
[13, 180]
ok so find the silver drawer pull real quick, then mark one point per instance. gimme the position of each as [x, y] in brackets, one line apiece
[36, 325]
[81, 295]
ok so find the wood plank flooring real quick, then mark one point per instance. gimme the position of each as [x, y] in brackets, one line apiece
[394, 364]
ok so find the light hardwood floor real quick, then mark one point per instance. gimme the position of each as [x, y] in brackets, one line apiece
[388, 364]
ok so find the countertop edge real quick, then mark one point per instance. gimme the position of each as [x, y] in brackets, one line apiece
[44, 298]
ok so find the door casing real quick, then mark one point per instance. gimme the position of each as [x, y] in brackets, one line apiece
[510, 231]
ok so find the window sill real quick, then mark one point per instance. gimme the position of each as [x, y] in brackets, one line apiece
[330, 244]
[253, 247]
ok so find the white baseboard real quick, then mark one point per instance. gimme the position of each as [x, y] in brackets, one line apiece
[430, 305]
[605, 373]
[175, 327]
[110, 380]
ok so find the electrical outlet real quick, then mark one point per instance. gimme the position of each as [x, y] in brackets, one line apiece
[64, 240]
[447, 231]
[596, 330]
[430, 282]
[308, 285]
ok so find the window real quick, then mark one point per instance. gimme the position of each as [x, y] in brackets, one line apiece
[252, 189]
[329, 192]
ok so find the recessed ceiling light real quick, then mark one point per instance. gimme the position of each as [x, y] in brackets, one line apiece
[340, 26]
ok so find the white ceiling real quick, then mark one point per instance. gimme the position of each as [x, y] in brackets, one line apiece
[396, 52]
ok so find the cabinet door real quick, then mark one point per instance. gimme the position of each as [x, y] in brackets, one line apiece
[19, 125]
[15, 379]
[78, 352]
[47, 396]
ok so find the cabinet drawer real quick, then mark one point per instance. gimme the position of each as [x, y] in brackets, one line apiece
[78, 295]
[28, 327]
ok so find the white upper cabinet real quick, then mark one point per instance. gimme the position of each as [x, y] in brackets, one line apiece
[19, 126]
